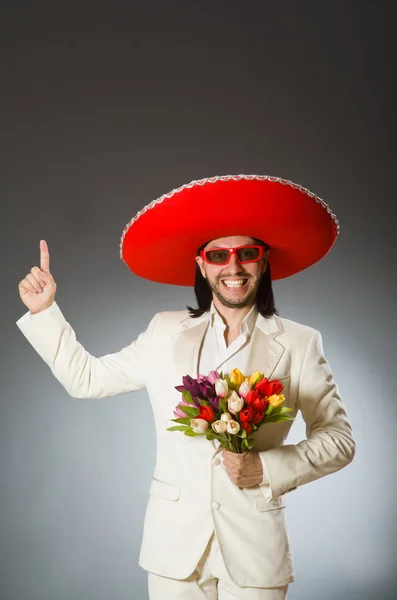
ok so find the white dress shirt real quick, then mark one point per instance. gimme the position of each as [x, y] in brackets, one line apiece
[215, 355]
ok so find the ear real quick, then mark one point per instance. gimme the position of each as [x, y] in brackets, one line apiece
[200, 263]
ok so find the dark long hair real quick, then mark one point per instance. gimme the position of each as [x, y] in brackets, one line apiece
[264, 295]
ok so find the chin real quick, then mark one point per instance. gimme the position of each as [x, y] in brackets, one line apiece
[236, 303]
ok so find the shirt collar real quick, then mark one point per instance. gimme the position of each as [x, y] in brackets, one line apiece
[247, 324]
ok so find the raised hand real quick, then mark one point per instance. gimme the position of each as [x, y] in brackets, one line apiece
[37, 290]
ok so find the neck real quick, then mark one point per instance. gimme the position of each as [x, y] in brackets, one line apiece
[232, 317]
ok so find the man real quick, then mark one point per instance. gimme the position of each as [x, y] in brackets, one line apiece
[215, 522]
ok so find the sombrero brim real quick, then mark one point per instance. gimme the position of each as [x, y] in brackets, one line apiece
[161, 241]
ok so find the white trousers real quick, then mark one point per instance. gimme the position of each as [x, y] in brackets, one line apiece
[209, 581]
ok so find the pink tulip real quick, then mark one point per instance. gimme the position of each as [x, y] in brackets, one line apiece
[213, 376]
[178, 412]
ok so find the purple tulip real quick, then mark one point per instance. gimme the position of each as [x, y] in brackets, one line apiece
[191, 385]
[200, 388]
[196, 401]
[207, 390]
[215, 403]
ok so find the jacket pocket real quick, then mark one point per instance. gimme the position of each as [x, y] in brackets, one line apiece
[263, 505]
[288, 390]
[165, 490]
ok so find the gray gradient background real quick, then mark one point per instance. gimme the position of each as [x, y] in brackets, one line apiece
[105, 108]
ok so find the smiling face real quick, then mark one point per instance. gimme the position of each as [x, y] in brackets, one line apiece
[234, 284]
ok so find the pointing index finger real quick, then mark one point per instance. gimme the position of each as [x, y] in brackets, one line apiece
[44, 257]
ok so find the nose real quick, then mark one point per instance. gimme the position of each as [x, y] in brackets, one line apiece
[234, 265]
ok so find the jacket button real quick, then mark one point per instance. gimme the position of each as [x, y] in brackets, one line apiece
[217, 461]
[216, 505]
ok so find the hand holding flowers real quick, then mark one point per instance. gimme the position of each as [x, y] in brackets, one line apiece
[244, 470]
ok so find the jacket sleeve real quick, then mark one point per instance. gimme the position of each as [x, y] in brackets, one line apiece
[329, 445]
[80, 373]
[265, 483]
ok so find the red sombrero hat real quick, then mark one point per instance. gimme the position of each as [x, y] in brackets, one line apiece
[161, 241]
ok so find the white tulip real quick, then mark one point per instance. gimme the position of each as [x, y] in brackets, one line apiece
[199, 425]
[244, 388]
[233, 427]
[221, 388]
[226, 417]
[234, 402]
[219, 426]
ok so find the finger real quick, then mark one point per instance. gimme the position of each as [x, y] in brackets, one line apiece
[38, 275]
[25, 287]
[227, 453]
[44, 257]
[35, 284]
[234, 458]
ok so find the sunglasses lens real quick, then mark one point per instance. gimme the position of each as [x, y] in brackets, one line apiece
[217, 256]
[248, 254]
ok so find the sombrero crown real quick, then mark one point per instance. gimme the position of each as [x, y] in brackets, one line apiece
[160, 242]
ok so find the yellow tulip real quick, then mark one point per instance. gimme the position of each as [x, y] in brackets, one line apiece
[254, 377]
[236, 377]
[276, 399]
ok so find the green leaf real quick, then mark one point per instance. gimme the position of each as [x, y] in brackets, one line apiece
[184, 420]
[231, 385]
[222, 406]
[243, 434]
[189, 411]
[192, 433]
[187, 397]
[211, 435]
[278, 418]
[281, 410]
[204, 402]
[178, 428]
[224, 443]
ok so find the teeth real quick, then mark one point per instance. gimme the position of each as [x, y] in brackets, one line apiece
[234, 283]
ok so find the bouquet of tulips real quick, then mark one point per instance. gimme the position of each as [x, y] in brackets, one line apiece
[229, 408]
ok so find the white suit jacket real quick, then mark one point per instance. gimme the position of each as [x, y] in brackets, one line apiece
[190, 493]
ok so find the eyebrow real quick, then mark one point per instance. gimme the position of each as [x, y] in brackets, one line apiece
[227, 247]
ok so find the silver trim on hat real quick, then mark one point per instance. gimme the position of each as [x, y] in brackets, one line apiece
[295, 186]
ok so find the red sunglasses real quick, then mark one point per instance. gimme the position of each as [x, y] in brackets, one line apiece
[221, 256]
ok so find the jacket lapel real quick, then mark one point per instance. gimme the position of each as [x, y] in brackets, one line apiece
[186, 345]
[265, 351]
